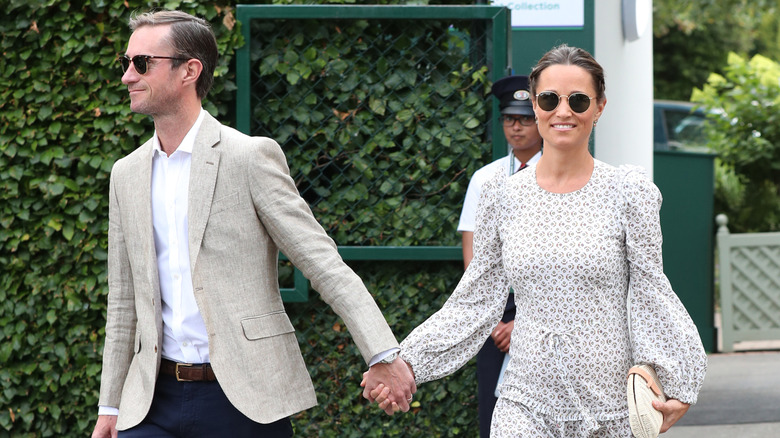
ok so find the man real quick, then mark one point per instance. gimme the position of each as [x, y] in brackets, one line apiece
[197, 217]
[523, 138]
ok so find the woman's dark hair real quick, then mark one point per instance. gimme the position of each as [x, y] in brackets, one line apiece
[567, 55]
[190, 37]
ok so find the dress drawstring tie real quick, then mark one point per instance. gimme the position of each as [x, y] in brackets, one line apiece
[556, 342]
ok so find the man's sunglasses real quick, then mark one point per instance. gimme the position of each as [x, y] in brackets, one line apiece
[549, 100]
[141, 62]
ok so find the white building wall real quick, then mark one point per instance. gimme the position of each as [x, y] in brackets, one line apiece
[624, 134]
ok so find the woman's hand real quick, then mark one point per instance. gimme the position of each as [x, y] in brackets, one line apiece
[673, 410]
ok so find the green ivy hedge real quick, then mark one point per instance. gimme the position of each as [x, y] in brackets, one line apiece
[64, 121]
[382, 121]
[407, 293]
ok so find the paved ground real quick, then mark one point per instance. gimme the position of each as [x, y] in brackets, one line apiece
[740, 398]
[755, 430]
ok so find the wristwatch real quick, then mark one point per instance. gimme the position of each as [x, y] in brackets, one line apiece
[389, 358]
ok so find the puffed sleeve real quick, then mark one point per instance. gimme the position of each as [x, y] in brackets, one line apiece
[453, 335]
[663, 333]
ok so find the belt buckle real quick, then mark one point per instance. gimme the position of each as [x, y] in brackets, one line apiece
[179, 379]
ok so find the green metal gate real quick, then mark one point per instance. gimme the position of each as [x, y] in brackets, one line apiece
[382, 114]
[749, 286]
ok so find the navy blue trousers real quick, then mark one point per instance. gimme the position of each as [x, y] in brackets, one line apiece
[489, 361]
[199, 409]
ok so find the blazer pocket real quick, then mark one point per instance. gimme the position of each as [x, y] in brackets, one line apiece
[224, 203]
[266, 326]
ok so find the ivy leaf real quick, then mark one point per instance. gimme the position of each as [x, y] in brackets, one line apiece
[67, 231]
[404, 115]
[377, 105]
[54, 224]
[51, 316]
[471, 123]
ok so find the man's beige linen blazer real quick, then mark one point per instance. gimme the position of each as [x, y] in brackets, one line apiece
[243, 209]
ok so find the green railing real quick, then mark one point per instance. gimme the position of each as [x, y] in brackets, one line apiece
[749, 287]
[382, 114]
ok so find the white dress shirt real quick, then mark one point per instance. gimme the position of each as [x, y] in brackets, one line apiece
[184, 334]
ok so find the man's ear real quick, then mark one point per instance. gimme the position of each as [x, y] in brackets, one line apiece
[192, 70]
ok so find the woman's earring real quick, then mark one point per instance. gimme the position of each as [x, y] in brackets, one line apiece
[594, 123]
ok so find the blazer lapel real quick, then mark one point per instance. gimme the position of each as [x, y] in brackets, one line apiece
[203, 178]
[141, 208]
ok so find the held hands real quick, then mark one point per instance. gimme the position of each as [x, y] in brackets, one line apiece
[673, 410]
[391, 386]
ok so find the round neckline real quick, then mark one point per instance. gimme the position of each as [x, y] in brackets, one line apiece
[596, 164]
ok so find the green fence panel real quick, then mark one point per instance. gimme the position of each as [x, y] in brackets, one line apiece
[749, 286]
[382, 113]
[686, 181]
[299, 292]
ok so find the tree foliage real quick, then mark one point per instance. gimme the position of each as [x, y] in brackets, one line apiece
[693, 38]
[693, 15]
[744, 129]
[768, 35]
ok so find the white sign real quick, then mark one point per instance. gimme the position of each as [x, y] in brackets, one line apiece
[545, 13]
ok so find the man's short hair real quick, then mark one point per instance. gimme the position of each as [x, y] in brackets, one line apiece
[190, 37]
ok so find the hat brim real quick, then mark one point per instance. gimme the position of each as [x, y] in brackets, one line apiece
[525, 110]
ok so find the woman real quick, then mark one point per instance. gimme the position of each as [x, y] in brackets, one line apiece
[570, 235]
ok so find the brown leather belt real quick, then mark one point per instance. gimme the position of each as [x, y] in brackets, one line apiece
[187, 372]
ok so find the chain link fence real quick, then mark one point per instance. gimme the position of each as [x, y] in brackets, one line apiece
[383, 116]
[382, 121]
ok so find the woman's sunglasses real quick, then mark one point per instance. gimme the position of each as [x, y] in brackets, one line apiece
[549, 100]
[141, 62]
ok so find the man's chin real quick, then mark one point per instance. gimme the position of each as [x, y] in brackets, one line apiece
[139, 108]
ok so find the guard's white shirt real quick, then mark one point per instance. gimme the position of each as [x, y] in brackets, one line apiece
[468, 215]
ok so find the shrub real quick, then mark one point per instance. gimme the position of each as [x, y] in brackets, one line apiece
[744, 131]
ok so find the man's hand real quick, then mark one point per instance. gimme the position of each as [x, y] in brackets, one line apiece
[673, 410]
[105, 427]
[502, 335]
[397, 382]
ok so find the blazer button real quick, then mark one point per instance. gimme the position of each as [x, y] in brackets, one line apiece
[155, 349]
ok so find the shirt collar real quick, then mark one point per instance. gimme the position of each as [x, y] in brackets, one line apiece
[535, 158]
[188, 142]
